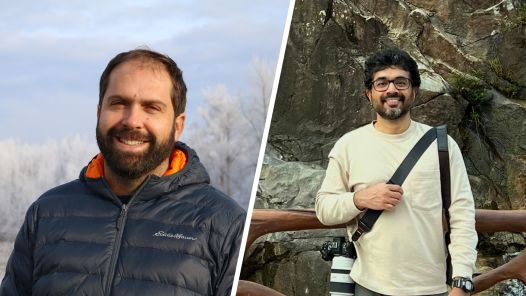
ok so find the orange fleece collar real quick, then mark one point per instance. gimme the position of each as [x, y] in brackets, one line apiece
[178, 160]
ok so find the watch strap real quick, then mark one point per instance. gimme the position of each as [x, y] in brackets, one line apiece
[463, 283]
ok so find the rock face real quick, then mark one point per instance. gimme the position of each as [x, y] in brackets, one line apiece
[471, 59]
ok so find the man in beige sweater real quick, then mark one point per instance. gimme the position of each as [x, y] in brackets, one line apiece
[405, 252]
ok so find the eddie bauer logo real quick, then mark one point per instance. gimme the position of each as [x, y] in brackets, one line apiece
[171, 235]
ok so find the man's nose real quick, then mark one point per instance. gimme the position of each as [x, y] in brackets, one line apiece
[391, 88]
[133, 117]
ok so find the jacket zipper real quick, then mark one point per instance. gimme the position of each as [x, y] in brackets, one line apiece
[121, 221]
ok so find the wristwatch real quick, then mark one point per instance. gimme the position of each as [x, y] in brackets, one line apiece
[463, 283]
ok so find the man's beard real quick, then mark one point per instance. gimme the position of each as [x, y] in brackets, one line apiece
[133, 165]
[392, 113]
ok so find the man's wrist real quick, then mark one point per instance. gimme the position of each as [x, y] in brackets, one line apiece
[458, 292]
[464, 284]
[357, 201]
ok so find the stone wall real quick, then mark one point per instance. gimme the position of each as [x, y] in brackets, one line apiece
[471, 58]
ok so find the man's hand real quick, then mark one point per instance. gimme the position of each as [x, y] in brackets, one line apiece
[458, 292]
[380, 196]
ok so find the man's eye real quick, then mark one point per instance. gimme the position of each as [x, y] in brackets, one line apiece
[116, 103]
[402, 81]
[153, 108]
[381, 83]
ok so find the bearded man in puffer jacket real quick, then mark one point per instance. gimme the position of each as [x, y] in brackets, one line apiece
[142, 219]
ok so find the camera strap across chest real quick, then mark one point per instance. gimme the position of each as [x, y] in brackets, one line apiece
[445, 188]
[366, 222]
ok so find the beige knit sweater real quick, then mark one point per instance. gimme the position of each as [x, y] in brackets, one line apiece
[404, 254]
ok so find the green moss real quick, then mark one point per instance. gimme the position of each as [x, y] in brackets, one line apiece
[496, 65]
[510, 88]
[511, 91]
[518, 21]
[478, 74]
[476, 92]
[464, 81]
[471, 88]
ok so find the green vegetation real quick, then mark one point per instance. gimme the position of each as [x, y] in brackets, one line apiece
[510, 88]
[473, 89]
[474, 118]
[476, 92]
[518, 21]
[496, 65]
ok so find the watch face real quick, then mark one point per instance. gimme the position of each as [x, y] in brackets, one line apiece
[464, 284]
[468, 285]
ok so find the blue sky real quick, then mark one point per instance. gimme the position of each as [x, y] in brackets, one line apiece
[53, 52]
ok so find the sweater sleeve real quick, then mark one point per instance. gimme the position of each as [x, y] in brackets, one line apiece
[230, 253]
[335, 201]
[462, 217]
[18, 279]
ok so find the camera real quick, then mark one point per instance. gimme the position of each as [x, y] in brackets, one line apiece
[342, 253]
[339, 246]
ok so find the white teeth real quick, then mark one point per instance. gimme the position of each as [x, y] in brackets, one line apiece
[131, 143]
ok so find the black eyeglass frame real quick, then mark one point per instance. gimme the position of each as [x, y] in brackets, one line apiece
[389, 81]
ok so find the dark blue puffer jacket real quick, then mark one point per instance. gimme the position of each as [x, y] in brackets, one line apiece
[177, 236]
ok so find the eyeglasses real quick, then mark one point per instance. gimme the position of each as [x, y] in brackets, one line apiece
[382, 84]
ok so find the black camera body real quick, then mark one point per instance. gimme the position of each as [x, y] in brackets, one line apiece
[342, 254]
[339, 246]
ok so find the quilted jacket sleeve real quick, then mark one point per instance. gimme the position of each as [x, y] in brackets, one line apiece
[230, 253]
[19, 271]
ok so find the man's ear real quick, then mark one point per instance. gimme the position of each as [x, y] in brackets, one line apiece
[179, 126]
[367, 94]
[415, 92]
[98, 111]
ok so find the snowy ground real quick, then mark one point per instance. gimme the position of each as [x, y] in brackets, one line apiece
[5, 251]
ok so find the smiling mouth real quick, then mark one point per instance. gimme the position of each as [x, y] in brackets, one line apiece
[131, 142]
[393, 102]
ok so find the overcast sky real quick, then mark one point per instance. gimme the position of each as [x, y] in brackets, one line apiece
[53, 52]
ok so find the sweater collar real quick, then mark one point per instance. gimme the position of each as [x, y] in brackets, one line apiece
[407, 134]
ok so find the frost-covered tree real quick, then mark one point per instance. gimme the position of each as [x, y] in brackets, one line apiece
[228, 137]
[222, 141]
[256, 106]
[222, 144]
[29, 170]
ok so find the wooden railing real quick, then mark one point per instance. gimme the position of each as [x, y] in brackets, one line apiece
[487, 221]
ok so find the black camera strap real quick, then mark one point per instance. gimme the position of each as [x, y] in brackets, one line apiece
[366, 222]
[445, 187]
